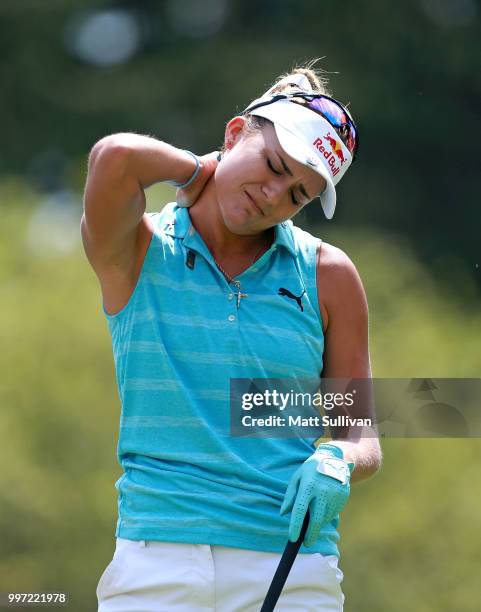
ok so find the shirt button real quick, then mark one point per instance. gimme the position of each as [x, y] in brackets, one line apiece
[231, 317]
[231, 295]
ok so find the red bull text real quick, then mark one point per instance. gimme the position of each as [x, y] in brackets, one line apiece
[330, 155]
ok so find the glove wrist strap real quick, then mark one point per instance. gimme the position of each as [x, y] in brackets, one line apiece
[330, 449]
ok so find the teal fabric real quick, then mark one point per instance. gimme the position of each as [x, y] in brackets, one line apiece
[177, 343]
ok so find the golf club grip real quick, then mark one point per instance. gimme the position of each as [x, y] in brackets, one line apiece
[283, 569]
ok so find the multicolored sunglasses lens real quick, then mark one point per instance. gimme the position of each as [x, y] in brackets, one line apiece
[337, 116]
[329, 108]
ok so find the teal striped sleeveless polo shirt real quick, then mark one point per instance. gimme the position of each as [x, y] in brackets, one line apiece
[177, 343]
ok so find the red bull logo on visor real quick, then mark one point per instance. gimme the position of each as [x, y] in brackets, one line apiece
[330, 155]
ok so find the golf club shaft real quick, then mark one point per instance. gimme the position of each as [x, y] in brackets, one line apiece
[283, 569]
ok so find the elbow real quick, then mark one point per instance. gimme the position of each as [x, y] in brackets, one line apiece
[370, 463]
[111, 149]
[377, 463]
[375, 455]
[376, 460]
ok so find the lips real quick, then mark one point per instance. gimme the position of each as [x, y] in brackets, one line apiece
[254, 203]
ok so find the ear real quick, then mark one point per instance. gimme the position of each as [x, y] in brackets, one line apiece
[233, 131]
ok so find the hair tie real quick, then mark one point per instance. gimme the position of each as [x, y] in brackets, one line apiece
[192, 178]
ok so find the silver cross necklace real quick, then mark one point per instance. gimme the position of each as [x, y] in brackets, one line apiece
[239, 295]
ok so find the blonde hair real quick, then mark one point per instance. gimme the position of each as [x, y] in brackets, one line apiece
[316, 76]
[315, 82]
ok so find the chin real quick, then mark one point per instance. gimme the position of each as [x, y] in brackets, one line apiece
[238, 220]
[241, 227]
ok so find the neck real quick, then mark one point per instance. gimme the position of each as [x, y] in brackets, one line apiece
[222, 243]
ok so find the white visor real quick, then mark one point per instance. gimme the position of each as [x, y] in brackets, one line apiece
[309, 139]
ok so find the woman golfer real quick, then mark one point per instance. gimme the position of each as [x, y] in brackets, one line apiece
[217, 286]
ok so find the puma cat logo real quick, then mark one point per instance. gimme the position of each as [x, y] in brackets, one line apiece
[288, 294]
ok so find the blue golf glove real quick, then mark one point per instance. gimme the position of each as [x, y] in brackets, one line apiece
[320, 484]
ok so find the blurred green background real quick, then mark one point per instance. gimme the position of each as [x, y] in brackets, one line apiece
[74, 71]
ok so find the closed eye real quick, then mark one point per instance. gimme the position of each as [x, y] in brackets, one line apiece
[271, 167]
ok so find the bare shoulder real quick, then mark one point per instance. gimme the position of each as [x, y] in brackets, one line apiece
[334, 264]
[338, 282]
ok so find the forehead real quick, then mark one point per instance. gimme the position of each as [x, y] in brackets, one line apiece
[313, 182]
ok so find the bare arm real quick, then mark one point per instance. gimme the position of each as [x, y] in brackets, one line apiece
[345, 316]
[121, 167]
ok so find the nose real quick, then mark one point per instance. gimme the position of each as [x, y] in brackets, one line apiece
[274, 191]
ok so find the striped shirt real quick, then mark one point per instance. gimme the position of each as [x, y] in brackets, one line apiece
[177, 343]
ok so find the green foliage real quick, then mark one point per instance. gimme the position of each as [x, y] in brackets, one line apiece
[409, 537]
[412, 82]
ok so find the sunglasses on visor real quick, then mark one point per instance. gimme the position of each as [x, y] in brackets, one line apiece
[333, 111]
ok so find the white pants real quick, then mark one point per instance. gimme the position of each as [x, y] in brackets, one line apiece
[150, 576]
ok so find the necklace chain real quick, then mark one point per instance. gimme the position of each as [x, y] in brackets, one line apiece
[237, 283]
[228, 276]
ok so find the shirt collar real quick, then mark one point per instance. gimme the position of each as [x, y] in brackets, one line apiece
[284, 236]
[179, 225]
